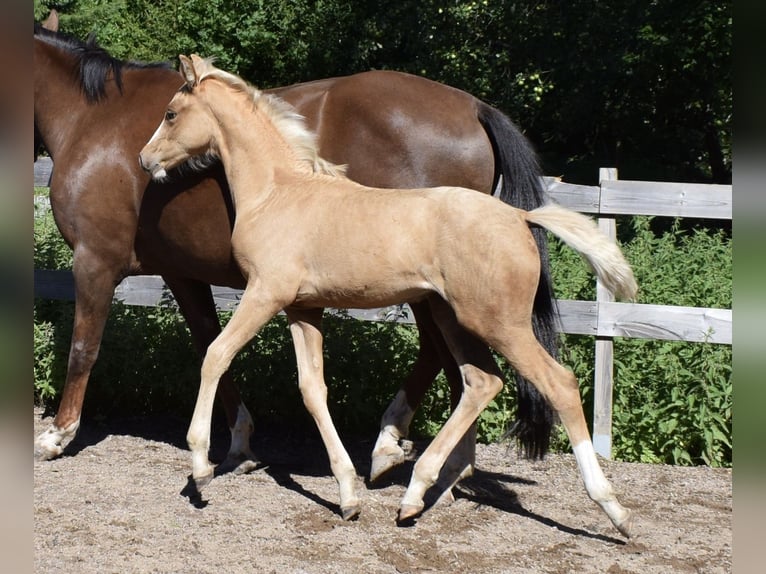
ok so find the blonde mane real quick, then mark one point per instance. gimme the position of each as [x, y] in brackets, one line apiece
[286, 120]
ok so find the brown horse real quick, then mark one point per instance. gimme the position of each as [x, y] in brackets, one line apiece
[306, 236]
[93, 113]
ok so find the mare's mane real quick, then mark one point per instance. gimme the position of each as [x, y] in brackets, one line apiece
[285, 119]
[94, 65]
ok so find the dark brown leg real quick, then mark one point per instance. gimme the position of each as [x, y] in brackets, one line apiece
[433, 355]
[195, 300]
[94, 289]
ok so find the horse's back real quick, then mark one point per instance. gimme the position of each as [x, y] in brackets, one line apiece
[413, 227]
[394, 117]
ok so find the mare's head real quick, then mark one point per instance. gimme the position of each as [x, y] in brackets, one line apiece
[73, 79]
[189, 130]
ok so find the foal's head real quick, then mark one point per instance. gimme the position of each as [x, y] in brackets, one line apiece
[191, 133]
[188, 131]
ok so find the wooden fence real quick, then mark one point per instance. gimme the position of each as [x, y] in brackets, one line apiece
[602, 318]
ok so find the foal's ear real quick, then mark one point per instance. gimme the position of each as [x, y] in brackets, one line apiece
[202, 66]
[188, 71]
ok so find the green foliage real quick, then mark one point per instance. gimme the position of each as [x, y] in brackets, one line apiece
[642, 86]
[48, 369]
[677, 407]
[50, 250]
[672, 400]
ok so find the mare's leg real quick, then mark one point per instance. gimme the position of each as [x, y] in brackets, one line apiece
[559, 386]
[395, 423]
[254, 310]
[195, 301]
[94, 288]
[482, 380]
[305, 328]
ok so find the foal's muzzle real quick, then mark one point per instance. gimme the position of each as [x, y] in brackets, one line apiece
[155, 170]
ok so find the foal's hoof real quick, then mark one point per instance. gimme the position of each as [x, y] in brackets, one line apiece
[350, 512]
[626, 526]
[408, 512]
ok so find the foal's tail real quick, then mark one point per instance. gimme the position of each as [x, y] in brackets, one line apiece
[583, 235]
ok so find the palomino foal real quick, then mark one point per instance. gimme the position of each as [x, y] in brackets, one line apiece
[307, 237]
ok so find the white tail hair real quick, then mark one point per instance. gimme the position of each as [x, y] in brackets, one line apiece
[583, 235]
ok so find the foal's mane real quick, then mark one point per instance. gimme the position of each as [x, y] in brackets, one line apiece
[285, 119]
[93, 64]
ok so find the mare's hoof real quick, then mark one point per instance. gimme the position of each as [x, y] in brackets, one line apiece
[201, 482]
[626, 526]
[47, 452]
[350, 512]
[48, 445]
[246, 467]
[408, 512]
[391, 457]
[381, 464]
[446, 497]
[237, 465]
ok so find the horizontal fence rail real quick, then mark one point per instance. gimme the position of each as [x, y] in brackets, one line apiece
[605, 319]
[602, 318]
[614, 197]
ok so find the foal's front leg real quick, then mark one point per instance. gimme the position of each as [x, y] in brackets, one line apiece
[195, 301]
[305, 328]
[254, 310]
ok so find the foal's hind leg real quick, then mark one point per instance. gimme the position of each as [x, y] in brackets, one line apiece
[195, 301]
[305, 328]
[559, 387]
[395, 423]
[482, 381]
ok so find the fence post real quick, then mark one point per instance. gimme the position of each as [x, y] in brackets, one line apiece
[602, 390]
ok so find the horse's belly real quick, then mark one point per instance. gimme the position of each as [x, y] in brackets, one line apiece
[363, 295]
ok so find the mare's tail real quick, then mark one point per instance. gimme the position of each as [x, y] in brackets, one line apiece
[521, 186]
[583, 235]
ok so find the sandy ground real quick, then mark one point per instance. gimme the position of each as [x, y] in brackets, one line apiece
[117, 502]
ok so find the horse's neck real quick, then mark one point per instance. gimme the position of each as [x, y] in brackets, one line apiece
[252, 151]
[58, 97]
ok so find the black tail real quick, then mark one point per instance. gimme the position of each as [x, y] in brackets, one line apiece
[522, 187]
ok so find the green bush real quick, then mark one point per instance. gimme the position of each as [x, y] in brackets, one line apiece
[672, 400]
[50, 250]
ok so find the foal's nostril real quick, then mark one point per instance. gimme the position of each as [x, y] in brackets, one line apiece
[141, 162]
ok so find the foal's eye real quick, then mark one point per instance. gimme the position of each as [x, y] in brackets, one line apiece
[170, 115]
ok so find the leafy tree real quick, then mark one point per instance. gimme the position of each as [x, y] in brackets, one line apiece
[644, 86]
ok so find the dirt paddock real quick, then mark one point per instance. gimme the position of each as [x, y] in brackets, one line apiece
[117, 502]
